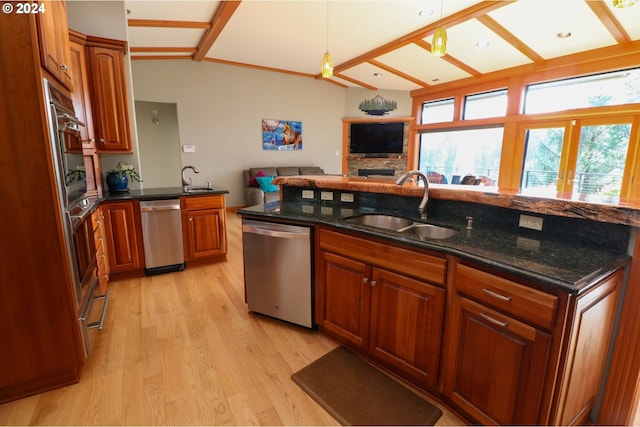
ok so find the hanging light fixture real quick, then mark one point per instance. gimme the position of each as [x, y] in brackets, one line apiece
[439, 41]
[623, 3]
[327, 61]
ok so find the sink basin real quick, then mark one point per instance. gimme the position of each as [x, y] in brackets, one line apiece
[403, 225]
[388, 222]
[197, 189]
[430, 231]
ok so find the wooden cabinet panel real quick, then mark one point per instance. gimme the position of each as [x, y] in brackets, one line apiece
[124, 238]
[587, 354]
[344, 304]
[81, 96]
[54, 41]
[418, 264]
[406, 324]
[99, 234]
[204, 229]
[516, 299]
[110, 106]
[499, 365]
[395, 319]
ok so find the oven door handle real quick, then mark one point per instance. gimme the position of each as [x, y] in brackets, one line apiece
[70, 118]
[100, 323]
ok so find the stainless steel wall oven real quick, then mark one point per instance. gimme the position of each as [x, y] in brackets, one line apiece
[75, 210]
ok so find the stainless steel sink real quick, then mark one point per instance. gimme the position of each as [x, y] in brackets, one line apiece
[388, 222]
[403, 225]
[430, 231]
[198, 189]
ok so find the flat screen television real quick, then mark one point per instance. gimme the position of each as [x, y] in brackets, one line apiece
[376, 138]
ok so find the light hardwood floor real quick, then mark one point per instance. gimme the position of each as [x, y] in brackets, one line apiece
[181, 349]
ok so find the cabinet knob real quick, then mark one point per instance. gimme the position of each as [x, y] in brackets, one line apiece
[365, 280]
[64, 67]
[101, 139]
[373, 283]
[191, 219]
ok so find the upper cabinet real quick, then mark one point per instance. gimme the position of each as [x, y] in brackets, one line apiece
[109, 94]
[54, 40]
[81, 95]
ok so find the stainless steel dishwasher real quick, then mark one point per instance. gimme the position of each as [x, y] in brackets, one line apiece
[277, 270]
[162, 236]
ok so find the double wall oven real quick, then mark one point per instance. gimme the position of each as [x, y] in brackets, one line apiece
[76, 209]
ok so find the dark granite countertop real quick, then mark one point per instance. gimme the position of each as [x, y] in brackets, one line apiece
[159, 193]
[560, 263]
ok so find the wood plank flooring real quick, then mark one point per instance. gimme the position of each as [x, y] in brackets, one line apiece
[181, 349]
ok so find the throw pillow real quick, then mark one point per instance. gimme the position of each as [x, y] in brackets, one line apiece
[265, 184]
[253, 182]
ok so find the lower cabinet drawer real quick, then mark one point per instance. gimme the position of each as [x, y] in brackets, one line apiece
[503, 294]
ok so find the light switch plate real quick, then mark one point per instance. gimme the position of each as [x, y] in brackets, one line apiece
[326, 195]
[346, 197]
[531, 222]
[188, 148]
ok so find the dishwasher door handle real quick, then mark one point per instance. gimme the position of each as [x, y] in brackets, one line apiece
[275, 233]
[159, 208]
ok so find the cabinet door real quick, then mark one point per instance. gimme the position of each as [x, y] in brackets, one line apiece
[206, 235]
[124, 237]
[53, 32]
[498, 367]
[110, 114]
[80, 94]
[406, 324]
[343, 299]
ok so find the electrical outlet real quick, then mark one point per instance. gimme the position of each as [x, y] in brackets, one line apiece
[326, 195]
[307, 194]
[346, 197]
[531, 222]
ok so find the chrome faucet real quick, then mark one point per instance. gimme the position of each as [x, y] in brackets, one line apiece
[185, 181]
[422, 208]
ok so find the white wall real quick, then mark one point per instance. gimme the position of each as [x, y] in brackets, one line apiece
[220, 111]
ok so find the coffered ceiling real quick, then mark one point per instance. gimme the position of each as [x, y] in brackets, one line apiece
[381, 44]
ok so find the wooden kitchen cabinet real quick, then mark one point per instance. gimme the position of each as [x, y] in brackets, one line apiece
[518, 355]
[99, 234]
[109, 94]
[393, 318]
[54, 41]
[123, 232]
[204, 229]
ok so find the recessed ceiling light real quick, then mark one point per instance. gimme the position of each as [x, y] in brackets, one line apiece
[377, 74]
[426, 12]
[482, 44]
[563, 34]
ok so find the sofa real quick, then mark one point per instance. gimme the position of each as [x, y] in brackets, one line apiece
[257, 182]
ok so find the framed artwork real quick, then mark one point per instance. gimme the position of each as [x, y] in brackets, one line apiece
[284, 135]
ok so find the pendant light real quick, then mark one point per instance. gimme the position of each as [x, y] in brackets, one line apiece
[623, 3]
[327, 61]
[439, 41]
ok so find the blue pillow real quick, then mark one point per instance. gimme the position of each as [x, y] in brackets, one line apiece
[265, 184]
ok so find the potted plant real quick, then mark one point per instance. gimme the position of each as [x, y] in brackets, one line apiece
[118, 177]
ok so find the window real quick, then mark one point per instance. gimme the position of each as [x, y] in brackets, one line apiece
[483, 105]
[617, 88]
[543, 151]
[437, 111]
[457, 153]
[601, 160]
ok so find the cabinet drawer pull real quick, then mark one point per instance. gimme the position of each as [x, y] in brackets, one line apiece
[494, 321]
[496, 295]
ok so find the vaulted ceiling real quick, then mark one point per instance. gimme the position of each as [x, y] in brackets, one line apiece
[382, 44]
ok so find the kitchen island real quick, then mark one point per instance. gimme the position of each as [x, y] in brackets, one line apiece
[506, 324]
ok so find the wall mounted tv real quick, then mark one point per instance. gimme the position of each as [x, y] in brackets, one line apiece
[376, 138]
